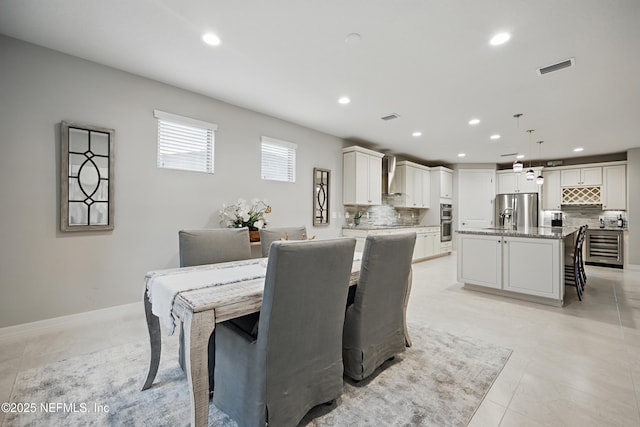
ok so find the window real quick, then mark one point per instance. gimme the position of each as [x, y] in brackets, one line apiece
[278, 160]
[185, 143]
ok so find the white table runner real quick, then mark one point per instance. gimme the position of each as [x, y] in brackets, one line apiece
[163, 285]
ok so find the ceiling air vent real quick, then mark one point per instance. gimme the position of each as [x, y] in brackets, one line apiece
[558, 66]
[390, 116]
[508, 155]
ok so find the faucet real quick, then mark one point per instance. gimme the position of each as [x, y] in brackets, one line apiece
[507, 213]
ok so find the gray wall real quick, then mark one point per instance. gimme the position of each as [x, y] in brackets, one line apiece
[45, 273]
[633, 212]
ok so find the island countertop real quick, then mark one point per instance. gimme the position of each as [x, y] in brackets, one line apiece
[531, 232]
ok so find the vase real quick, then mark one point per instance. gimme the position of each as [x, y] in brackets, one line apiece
[254, 235]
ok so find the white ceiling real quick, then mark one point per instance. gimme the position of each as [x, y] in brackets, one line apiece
[427, 60]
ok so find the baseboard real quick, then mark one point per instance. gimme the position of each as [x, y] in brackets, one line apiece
[441, 254]
[72, 318]
[634, 267]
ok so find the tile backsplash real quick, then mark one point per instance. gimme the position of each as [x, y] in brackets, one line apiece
[382, 215]
[574, 216]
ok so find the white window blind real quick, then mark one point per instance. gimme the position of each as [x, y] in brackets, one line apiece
[185, 143]
[278, 160]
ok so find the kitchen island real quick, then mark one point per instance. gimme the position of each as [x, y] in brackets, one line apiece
[523, 263]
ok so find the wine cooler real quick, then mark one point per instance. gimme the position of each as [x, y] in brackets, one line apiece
[604, 247]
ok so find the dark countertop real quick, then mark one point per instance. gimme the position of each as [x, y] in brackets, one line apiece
[530, 232]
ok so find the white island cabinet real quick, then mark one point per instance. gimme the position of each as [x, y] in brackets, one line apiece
[526, 264]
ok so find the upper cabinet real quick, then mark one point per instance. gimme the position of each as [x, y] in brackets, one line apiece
[413, 181]
[596, 184]
[361, 176]
[591, 176]
[614, 187]
[510, 182]
[551, 191]
[441, 185]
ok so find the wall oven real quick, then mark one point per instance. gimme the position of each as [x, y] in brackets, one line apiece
[446, 212]
[446, 220]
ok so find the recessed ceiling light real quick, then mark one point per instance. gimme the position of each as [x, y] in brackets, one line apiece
[344, 100]
[474, 121]
[417, 133]
[520, 156]
[495, 136]
[577, 150]
[211, 39]
[461, 154]
[499, 39]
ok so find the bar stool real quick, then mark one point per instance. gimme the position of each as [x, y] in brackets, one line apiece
[581, 236]
[574, 273]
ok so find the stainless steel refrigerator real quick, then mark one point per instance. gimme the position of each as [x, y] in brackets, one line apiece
[517, 209]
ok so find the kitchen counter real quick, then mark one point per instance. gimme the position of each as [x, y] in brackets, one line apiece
[428, 243]
[609, 228]
[384, 227]
[527, 232]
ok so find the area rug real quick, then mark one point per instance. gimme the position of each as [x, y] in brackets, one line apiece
[440, 381]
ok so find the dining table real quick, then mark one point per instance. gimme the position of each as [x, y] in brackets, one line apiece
[199, 297]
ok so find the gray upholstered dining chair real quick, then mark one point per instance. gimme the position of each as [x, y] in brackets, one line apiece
[374, 323]
[211, 246]
[294, 362]
[272, 234]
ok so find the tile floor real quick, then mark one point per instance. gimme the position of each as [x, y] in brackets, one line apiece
[572, 366]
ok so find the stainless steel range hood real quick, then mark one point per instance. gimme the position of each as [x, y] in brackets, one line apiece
[388, 174]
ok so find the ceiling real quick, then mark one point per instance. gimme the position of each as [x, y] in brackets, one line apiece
[429, 61]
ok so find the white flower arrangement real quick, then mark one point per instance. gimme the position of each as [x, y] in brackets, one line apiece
[243, 214]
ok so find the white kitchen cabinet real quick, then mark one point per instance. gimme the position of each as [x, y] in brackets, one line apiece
[614, 187]
[413, 181]
[480, 260]
[427, 243]
[579, 177]
[551, 191]
[434, 241]
[425, 176]
[510, 182]
[420, 248]
[441, 185]
[362, 176]
[531, 266]
[427, 239]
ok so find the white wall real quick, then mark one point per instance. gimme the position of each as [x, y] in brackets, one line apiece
[45, 273]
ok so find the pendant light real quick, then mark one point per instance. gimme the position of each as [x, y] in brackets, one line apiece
[517, 164]
[530, 174]
[540, 178]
